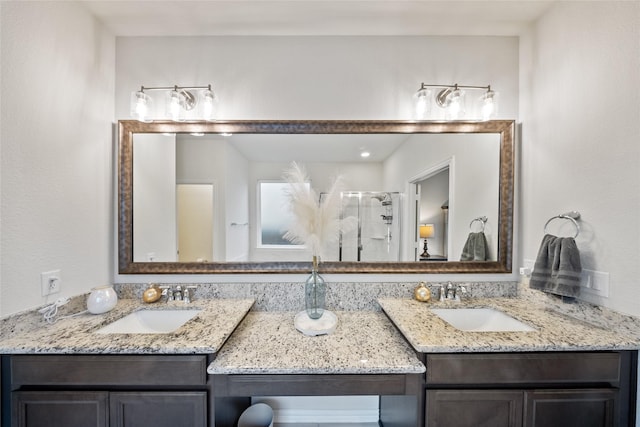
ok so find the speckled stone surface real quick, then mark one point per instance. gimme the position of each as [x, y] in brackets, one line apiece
[341, 296]
[590, 313]
[363, 343]
[555, 330]
[204, 334]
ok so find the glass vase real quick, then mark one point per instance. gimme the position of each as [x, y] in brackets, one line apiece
[315, 291]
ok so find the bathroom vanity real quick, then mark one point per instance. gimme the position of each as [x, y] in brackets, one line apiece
[108, 390]
[267, 356]
[68, 374]
[566, 372]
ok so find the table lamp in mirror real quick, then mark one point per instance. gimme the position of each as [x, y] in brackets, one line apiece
[426, 231]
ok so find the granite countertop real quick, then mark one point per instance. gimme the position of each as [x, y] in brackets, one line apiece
[204, 334]
[364, 342]
[555, 330]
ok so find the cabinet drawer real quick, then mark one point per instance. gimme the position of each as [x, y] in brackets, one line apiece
[320, 385]
[525, 368]
[101, 370]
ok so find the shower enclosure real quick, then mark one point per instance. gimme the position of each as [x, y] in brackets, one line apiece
[377, 236]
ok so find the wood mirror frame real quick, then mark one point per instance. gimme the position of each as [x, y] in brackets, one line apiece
[127, 128]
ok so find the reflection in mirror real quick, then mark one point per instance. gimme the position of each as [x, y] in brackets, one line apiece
[201, 204]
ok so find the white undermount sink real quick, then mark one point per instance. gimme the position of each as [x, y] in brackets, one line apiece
[149, 322]
[481, 320]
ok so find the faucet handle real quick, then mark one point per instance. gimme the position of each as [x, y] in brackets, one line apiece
[166, 291]
[460, 290]
[187, 293]
[177, 294]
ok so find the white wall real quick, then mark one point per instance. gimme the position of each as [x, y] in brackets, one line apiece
[56, 147]
[473, 175]
[580, 107]
[580, 93]
[316, 78]
[154, 201]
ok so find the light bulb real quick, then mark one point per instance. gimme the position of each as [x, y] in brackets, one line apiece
[174, 107]
[455, 104]
[489, 105]
[141, 106]
[208, 101]
[422, 104]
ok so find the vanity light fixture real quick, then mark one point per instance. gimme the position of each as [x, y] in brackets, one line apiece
[179, 100]
[452, 99]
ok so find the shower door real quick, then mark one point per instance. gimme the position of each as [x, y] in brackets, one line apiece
[377, 236]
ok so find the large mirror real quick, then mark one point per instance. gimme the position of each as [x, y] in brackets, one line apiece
[206, 197]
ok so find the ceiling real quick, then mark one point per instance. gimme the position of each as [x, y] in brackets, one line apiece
[317, 17]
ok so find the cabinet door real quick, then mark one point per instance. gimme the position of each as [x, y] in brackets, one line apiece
[158, 409]
[59, 409]
[474, 408]
[571, 408]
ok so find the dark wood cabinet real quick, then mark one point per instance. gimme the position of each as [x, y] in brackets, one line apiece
[108, 391]
[571, 408]
[567, 389]
[474, 408]
[521, 408]
[59, 409]
[543, 389]
[399, 394]
[109, 409]
[158, 409]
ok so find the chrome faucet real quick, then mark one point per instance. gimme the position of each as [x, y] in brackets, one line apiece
[451, 293]
[177, 293]
[187, 294]
[166, 292]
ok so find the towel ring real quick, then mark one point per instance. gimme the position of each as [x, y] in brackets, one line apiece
[481, 219]
[572, 216]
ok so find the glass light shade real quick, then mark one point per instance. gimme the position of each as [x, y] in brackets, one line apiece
[489, 105]
[208, 104]
[141, 106]
[422, 101]
[455, 104]
[174, 106]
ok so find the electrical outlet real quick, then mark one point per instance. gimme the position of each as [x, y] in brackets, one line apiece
[51, 282]
[525, 271]
[595, 282]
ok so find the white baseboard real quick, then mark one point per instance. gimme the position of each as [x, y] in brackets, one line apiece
[325, 416]
[322, 409]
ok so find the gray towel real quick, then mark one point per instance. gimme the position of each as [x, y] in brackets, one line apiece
[475, 248]
[557, 268]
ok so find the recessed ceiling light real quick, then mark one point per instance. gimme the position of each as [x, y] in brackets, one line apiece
[197, 134]
[365, 154]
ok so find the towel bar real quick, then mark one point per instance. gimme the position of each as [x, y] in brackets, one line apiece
[572, 216]
[482, 219]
